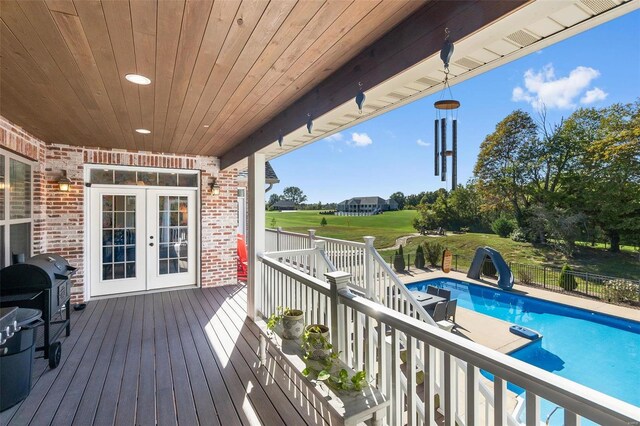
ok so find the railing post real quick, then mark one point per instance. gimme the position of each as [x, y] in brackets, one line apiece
[312, 237]
[321, 266]
[338, 280]
[368, 267]
[278, 233]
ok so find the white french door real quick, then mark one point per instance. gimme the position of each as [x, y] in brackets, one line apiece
[171, 237]
[141, 239]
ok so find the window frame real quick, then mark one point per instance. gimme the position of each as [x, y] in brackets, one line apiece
[7, 221]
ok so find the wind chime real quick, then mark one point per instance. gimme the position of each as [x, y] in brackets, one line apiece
[446, 110]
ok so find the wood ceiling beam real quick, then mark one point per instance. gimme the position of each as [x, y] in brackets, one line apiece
[412, 41]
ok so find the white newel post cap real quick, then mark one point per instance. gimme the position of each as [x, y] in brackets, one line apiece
[368, 240]
[339, 279]
[312, 233]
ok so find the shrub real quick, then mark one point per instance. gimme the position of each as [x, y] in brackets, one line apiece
[419, 262]
[503, 226]
[518, 235]
[525, 277]
[398, 260]
[617, 291]
[323, 222]
[567, 281]
[433, 253]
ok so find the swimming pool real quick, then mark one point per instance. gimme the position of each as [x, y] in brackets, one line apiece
[596, 350]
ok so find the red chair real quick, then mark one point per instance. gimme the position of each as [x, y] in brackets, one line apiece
[242, 259]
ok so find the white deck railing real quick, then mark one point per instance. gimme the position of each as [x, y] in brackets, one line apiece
[372, 337]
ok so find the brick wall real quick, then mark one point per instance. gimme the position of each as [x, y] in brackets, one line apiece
[59, 222]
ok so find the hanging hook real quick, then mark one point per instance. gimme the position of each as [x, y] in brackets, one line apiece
[309, 123]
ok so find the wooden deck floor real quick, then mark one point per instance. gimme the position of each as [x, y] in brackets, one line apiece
[184, 357]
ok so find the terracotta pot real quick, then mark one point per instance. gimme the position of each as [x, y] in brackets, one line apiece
[292, 324]
[317, 340]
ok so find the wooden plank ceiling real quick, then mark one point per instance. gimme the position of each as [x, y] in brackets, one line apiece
[220, 69]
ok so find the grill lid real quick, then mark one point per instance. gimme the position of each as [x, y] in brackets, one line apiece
[42, 271]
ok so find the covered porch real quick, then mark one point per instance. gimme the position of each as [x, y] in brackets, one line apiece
[183, 357]
[227, 88]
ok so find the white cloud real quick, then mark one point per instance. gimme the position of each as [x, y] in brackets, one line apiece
[544, 89]
[422, 143]
[360, 140]
[336, 137]
[594, 95]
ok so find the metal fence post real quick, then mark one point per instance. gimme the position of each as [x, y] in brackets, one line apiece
[544, 280]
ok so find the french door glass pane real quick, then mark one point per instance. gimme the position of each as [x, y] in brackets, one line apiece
[19, 190]
[20, 238]
[173, 218]
[118, 237]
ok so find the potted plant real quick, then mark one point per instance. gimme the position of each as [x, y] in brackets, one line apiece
[315, 342]
[292, 322]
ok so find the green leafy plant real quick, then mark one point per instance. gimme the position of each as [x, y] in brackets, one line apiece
[433, 253]
[323, 222]
[503, 226]
[280, 314]
[326, 369]
[566, 280]
[419, 262]
[273, 223]
[398, 260]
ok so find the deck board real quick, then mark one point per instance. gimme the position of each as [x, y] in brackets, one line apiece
[183, 357]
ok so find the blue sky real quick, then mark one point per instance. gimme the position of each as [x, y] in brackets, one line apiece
[380, 156]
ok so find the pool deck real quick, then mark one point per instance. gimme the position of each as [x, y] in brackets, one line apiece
[494, 333]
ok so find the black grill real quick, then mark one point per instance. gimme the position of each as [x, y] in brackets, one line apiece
[43, 282]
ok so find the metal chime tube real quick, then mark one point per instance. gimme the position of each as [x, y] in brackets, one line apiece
[454, 157]
[436, 146]
[443, 149]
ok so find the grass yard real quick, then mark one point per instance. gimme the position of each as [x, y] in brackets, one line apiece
[389, 226]
[386, 227]
[586, 259]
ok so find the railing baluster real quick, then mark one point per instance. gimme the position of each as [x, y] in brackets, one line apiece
[396, 390]
[570, 418]
[532, 402]
[411, 380]
[448, 393]
[500, 402]
[429, 392]
[471, 409]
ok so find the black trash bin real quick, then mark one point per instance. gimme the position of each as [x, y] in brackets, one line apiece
[16, 359]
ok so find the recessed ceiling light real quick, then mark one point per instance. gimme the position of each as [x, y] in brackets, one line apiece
[138, 79]
[206, 125]
[143, 131]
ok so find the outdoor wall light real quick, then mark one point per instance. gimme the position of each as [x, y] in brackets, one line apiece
[215, 188]
[64, 184]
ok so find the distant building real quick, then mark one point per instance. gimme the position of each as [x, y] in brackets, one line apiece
[284, 205]
[366, 205]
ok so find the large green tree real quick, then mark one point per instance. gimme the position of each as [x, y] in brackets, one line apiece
[399, 198]
[504, 167]
[295, 194]
[607, 183]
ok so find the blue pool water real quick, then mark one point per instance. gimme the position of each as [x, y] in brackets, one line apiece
[596, 350]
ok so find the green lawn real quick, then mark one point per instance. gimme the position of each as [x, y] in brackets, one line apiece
[386, 227]
[587, 259]
[391, 225]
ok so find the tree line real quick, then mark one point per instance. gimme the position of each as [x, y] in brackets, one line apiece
[558, 183]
